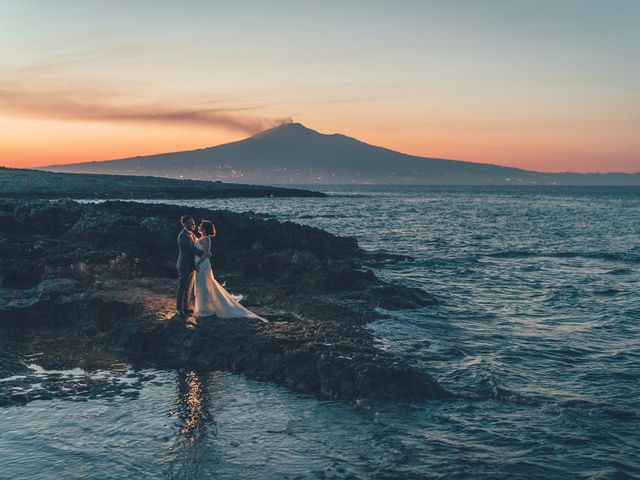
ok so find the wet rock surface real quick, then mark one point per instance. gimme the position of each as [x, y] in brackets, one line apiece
[73, 384]
[101, 278]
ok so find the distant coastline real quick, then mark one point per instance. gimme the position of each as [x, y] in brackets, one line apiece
[23, 183]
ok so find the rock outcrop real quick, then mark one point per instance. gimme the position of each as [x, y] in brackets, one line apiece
[101, 277]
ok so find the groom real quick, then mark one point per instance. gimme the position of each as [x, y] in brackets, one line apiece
[186, 265]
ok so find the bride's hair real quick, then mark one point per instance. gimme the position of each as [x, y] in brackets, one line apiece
[208, 228]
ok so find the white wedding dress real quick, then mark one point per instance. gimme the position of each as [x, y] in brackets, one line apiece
[212, 298]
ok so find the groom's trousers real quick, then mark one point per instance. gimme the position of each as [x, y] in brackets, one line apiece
[185, 285]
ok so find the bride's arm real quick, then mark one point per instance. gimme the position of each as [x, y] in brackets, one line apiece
[206, 245]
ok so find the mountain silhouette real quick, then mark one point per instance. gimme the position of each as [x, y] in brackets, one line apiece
[294, 154]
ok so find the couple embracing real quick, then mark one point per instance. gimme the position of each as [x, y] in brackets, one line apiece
[194, 274]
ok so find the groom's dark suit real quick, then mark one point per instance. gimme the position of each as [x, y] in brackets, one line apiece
[186, 266]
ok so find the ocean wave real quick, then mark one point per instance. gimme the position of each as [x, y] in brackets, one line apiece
[563, 294]
[327, 215]
[462, 260]
[608, 256]
[620, 271]
[608, 292]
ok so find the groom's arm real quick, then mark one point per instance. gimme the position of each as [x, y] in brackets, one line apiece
[186, 244]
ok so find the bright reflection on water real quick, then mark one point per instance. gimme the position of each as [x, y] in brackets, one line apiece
[538, 332]
[193, 411]
[193, 425]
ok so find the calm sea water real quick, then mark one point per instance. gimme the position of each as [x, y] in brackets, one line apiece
[537, 332]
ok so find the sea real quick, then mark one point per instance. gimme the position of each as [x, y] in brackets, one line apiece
[537, 333]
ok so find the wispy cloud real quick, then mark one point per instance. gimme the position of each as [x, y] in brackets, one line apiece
[65, 105]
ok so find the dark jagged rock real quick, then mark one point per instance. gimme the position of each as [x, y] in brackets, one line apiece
[10, 366]
[102, 276]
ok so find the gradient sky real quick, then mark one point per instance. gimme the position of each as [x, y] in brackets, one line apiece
[539, 84]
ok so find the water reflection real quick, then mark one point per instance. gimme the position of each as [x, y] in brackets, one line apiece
[191, 455]
[193, 411]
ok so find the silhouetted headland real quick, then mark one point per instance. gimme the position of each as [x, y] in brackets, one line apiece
[23, 183]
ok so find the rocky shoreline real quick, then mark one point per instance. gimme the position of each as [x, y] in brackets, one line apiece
[80, 281]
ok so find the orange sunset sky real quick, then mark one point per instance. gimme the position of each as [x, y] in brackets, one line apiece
[543, 85]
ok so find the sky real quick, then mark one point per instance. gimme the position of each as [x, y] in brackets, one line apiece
[540, 84]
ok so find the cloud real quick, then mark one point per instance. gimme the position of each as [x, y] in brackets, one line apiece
[66, 105]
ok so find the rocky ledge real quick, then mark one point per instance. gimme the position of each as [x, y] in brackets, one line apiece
[77, 278]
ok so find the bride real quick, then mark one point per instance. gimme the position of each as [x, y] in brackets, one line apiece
[211, 297]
